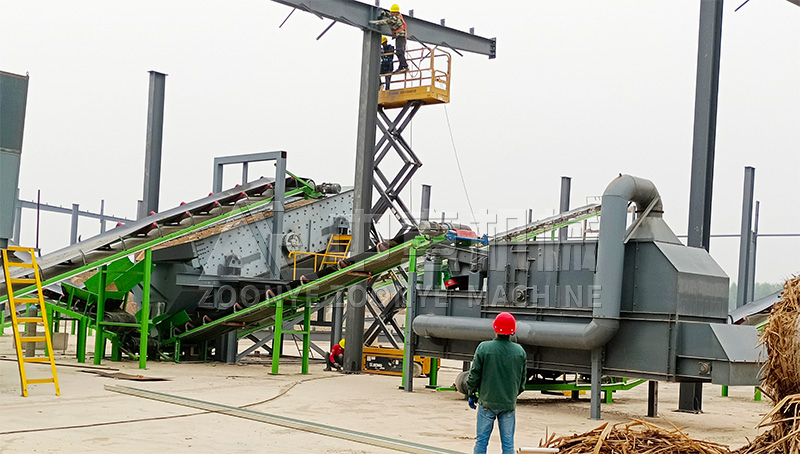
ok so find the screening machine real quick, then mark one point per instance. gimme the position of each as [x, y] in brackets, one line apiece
[634, 303]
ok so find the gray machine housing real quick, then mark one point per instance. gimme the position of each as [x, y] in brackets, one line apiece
[190, 274]
[635, 303]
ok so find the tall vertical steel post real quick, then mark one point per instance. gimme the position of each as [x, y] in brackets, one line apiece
[751, 278]
[13, 102]
[277, 216]
[705, 127]
[73, 230]
[566, 184]
[425, 206]
[155, 131]
[745, 237]
[362, 200]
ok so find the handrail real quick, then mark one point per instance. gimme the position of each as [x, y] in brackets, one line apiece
[427, 67]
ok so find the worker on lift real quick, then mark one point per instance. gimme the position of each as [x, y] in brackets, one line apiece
[335, 357]
[397, 25]
[387, 60]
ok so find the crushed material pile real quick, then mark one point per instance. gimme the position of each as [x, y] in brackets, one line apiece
[781, 384]
[633, 437]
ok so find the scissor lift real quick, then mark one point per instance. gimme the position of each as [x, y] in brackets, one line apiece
[426, 82]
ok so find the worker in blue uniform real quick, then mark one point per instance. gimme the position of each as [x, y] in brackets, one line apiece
[387, 60]
[497, 377]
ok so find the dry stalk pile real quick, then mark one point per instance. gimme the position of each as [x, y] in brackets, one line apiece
[633, 437]
[781, 337]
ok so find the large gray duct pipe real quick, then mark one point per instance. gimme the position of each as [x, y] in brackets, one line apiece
[607, 283]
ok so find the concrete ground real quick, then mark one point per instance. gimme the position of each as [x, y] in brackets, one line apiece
[88, 419]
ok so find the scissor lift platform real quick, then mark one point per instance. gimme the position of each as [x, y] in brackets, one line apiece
[426, 81]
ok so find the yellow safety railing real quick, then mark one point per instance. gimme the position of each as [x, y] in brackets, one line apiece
[319, 258]
[427, 79]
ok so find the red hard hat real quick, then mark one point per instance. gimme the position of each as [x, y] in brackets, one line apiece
[505, 324]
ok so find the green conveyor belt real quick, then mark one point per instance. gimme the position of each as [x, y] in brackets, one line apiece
[262, 314]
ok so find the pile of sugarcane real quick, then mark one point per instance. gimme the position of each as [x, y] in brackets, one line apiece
[631, 437]
[781, 383]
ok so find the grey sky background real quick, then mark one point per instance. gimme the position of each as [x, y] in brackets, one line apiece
[580, 88]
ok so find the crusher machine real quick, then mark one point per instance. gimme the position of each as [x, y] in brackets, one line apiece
[634, 302]
[189, 282]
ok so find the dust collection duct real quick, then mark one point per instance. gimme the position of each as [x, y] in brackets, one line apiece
[13, 100]
[635, 303]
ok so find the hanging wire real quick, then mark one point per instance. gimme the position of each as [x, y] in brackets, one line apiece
[460, 173]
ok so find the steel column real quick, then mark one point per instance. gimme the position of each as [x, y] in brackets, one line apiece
[337, 317]
[73, 231]
[99, 331]
[702, 175]
[751, 279]
[597, 372]
[277, 216]
[144, 312]
[425, 210]
[155, 132]
[566, 183]
[362, 199]
[411, 294]
[652, 399]
[17, 218]
[745, 237]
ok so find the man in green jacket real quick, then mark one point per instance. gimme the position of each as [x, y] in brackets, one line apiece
[498, 375]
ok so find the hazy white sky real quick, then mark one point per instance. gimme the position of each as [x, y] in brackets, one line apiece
[580, 88]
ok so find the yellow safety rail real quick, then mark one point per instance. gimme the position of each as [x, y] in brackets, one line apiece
[427, 80]
[329, 257]
[39, 301]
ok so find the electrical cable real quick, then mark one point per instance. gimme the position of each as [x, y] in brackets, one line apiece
[460, 173]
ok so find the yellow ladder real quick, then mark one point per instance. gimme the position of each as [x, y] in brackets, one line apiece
[12, 304]
[338, 245]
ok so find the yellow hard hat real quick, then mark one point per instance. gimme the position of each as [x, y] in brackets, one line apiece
[341, 343]
[395, 8]
[383, 39]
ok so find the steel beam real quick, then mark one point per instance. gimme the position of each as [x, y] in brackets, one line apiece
[349, 436]
[221, 161]
[86, 214]
[359, 14]
[73, 231]
[362, 199]
[702, 175]
[13, 101]
[745, 237]
[155, 132]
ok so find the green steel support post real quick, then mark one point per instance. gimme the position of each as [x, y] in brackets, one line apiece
[72, 330]
[724, 391]
[55, 320]
[433, 378]
[408, 358]
[277, 339]
[116, 355]
[306, 334]
[757, 394]
[3, 319]
[609, 397]
[177, 350]
[100, 338]
[83, 332]
[144, 330]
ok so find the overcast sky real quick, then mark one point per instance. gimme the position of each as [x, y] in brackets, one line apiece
[580, 88]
